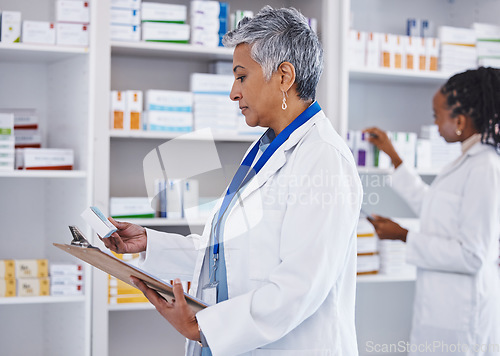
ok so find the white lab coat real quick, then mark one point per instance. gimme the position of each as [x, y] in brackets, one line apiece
[290, 253]
[457, 298]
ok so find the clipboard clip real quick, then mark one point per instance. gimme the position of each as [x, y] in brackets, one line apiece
[78, 238]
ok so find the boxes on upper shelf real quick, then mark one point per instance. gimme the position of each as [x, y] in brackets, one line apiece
[33, 287]
[368, 260]
[209, 22]
[10, 30]
[73, 11]
[7, 269]
[125, 33]
[7, 287]
[165, 32]
[458, 49]
[39, 32]
[131, 207]
[157, 12]
[177, 198]
[31, 268]
[125, 17]
[126, 110]
[46, 158]
[71, 34]
[126, 4]
[487, 44]
[7, 141]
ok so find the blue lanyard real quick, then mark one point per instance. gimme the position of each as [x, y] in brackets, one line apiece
[245, 172]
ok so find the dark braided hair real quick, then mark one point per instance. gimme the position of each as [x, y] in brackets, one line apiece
[476, 94]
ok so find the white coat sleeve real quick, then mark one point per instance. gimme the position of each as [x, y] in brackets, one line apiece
[408, 184]
[314, 240]
[169, 256]
[478, 229]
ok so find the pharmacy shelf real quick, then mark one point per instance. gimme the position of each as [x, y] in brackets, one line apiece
[378, 278]
[170, 50]
[383, 171]
[22, 52]
[158, 135]
[42, 300]
[397, 75]
[166, 222]
[130, 306]
[42, 174]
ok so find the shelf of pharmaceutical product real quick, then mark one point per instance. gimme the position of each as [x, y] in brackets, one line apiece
[376, 170]
[42, 174]
[159, 135]
[130, 306]
[42, 300]
[398, 75]
[167, 222]
[170, 50]
[21, 52]
[376, 278]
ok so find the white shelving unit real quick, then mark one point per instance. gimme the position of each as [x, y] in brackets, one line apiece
[41, 300]
[158, 135]
[43, 174]
[167, 222]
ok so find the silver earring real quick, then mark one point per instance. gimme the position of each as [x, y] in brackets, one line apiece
[458, 132]
[283, 105]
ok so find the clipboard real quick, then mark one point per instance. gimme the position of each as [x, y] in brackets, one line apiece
[83, 250]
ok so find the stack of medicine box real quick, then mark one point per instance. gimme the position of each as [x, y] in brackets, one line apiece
[212, 106]
[458, 49]
[72, 27]
[32, 278]
[125, 20]
[10, 30]
[7, 141]
[177, 198]
[164, 23]
[120, 292]
[237, 16]
[168, 110]
[7, 278]
[66, 279]
[39, 32]
[131, 208]
[126, 110]
[209, 22]
[368, 261]
[487, 44]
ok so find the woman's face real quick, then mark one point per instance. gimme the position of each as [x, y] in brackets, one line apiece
[259, 100]
[442, 118]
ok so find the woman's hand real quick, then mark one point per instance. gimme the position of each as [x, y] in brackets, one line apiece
[380, 139]
[177, 313]
[387, 229]
[129, 238]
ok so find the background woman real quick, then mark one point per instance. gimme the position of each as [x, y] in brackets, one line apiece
[457, 300]
[277, 261]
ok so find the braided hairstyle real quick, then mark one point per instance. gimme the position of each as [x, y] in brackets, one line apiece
[476, 94]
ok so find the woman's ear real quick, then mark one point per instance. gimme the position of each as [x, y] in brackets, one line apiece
[286, 70]
[462, 122]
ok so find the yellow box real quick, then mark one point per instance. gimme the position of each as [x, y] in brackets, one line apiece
[7, 287]
[33, 287]
[127, 299]
[7, 269]
[32, 268]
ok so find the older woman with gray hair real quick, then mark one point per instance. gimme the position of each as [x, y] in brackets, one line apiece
[276, 263]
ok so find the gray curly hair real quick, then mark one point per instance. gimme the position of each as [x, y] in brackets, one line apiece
[282, 35]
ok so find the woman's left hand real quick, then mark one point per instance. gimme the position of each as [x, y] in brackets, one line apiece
[177, 313]
[388, 229]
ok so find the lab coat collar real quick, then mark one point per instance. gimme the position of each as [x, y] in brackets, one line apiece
[477, 148]
[278, 159]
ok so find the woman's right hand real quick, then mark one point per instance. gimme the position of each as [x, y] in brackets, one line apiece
[380, 139]
[129, 238]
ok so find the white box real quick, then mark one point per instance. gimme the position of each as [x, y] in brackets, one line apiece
[399, 58]
[171, 121]
[163, 12]
[39, 32]
[387, 50]
[165, 32]
[48, 158]
[169, 100]
[63, 280]
[211, 83]
[11, 27]
[117, 110]
[23, 118]
[96, 219]
[373, 50]
[125, 17]
[126, 4]
[133, 110]
[6, 124]
[61, 290]
[410, 52]
[174, 199]
[27, 138]
[190, 199]
[221, 67]
[424, 154]
[357, 49]
[432, 53]
[125, 33]
[68, 34]
[413, 27]
[33, 287]
[207, 8]
[456, 35]
[73, 11]
[200, 37]
[131, 207]
[64, 269]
